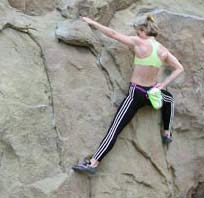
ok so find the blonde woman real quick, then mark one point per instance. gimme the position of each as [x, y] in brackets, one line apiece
[150, 55]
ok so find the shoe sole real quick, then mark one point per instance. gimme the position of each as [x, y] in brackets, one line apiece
[166, 140]
[82, 170]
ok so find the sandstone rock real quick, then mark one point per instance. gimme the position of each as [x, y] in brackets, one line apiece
[198, 191]
[57, 100]
[49, 185]
[102, 11]
[77, 33]
[188, 93]
[33, 7]
[27, 138]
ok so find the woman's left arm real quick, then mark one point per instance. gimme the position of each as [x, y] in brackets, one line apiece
[178, 69]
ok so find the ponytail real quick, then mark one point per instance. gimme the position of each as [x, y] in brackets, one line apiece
[150, 18]
[150, 26]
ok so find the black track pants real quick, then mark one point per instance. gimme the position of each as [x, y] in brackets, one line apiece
[134, 100]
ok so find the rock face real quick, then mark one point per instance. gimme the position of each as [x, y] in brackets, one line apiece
[77, 33]
[197, 192]
[33, 7]
[57, 100]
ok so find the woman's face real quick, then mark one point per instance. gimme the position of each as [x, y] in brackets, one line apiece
[140, 32]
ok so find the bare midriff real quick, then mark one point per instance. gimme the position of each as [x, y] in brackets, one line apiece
[144, 75]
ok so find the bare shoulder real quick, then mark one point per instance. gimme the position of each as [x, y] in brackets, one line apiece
[130, 41]
[136, 40]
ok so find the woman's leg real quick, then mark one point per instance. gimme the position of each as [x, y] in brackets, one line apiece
[134, 100]
[167, 112]
[124, 114]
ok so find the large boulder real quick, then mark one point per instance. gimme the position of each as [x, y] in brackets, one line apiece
[78, 33]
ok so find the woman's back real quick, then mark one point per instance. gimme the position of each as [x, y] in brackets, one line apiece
[149, 57]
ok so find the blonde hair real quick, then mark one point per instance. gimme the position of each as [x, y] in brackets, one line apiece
[149, 26]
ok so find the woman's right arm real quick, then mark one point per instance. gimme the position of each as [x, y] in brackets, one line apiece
[130, 41]
[172, 61]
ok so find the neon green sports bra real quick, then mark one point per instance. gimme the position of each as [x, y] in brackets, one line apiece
[152, 60]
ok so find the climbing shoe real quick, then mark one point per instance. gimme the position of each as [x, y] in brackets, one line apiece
[84, 167]
[166, 139]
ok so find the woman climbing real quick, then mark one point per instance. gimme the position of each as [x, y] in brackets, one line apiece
[149, 57]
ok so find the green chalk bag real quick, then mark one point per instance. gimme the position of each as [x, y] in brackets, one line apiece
[155, 97]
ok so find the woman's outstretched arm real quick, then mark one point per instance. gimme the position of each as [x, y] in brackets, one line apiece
[131, 41]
